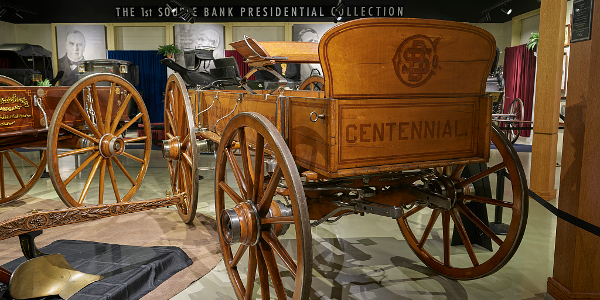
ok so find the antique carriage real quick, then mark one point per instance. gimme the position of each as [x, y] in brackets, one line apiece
[403, 111]
[62, 123]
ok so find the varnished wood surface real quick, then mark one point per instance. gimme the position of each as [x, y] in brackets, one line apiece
[374, 58]
[277, 52]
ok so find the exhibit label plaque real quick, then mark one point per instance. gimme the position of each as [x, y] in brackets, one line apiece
[581, 29]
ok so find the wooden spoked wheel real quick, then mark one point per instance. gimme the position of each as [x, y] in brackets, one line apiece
[7, 81]
[262, 212]
[515, 110]
[430, 237]
[180, 148]
[21, 169]
[313, 83]
[86, 121]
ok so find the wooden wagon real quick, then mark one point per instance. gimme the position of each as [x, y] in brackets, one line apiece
[87, 118]
[402, 113]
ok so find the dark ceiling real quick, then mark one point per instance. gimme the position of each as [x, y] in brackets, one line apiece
[474, 11]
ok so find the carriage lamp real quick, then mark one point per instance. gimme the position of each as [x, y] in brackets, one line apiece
[123, 69]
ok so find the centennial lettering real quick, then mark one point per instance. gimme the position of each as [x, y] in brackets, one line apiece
[398, 131]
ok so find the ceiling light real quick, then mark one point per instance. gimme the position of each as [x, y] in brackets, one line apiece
[2, 12]
[506, 11]
[18, 15]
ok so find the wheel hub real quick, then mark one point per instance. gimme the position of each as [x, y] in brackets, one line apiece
[172, 148]
[279, 209]
[111, 145]
[241, 224]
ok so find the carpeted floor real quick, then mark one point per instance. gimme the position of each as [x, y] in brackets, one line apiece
[160, 227]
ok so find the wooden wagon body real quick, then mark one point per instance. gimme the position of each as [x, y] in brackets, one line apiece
[402, 115]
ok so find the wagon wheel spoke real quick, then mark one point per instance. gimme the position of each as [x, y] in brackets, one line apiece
[263, 276]
[27, 160]
[267, 198]
[86, 118]
[237, 172]
[446, 237]
[481, 175]
[78, 133]
[78, 151]
[462, 232]
[234, 196]
[101, 182]
[259, 176]
[133, 157]
[471, 216]
[135, 140]
[120, 112]
[278, 248]
[113, 180]
[81, 167]
[412, 211]
[252, 264]
[14, 168]
[118, 163]
[2, 187]
[128, 124]
[238, 255]
[96, 108]
[273, 269]
[487, 200]
[246, 163]
[88, 182]
[457, 172]
[109, 106]
[434, 217]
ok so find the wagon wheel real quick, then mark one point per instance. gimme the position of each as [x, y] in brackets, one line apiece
[7, 81]
[431, 241]
[95, 128]
[252, 216]
[180, 148]
[516, 111]
[313, 83]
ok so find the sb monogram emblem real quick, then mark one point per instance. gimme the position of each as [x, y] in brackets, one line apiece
[416, 60]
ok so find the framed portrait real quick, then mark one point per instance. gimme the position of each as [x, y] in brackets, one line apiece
[75, 43]
[309, 33]
[208, 38]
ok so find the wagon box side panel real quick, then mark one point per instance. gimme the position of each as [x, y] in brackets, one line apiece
[311, 142]
[406, 131]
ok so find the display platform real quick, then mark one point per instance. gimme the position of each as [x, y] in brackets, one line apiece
[129, 272]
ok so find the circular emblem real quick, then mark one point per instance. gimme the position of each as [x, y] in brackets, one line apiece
[41, 93]
[416, 60]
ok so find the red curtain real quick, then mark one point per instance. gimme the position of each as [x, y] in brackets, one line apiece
[519, 76]
[239, 59]
[4, 63]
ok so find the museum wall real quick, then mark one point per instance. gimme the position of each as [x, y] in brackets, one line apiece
[529, 25]
[139, 38]
[7, 35]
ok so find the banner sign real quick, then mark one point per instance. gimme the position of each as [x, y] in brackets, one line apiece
[257, 12]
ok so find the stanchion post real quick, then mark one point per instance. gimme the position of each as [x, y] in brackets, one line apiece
[497, 226]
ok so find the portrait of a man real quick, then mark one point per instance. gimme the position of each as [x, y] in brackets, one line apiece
[200, 36]
[75, 47]
[76, 43]
[309, 33]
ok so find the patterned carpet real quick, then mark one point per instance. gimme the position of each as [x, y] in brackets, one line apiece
[160, 227]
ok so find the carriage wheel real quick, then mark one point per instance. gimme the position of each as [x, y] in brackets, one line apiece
[431, 240]
[100, 140]
[254, 213]
[7, 81]
[20, 172]
[516, 111]
[180, 148]
[313, 83]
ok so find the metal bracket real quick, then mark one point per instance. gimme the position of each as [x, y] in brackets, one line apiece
[314, 116]
[430, 197]
[37, 101]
